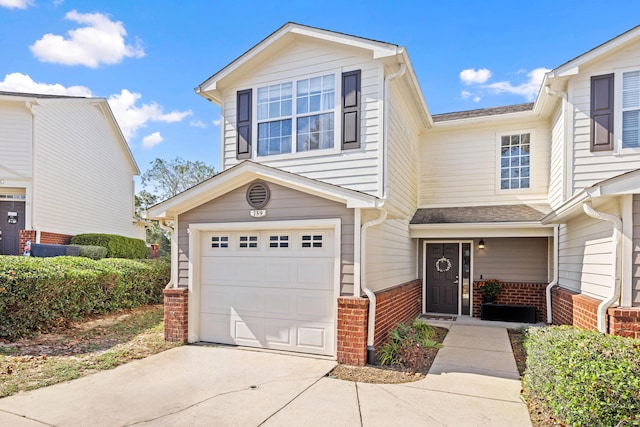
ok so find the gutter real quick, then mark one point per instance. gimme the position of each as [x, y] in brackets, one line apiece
[163, 224]
[615, 274]
[554, 282]
[371, 323]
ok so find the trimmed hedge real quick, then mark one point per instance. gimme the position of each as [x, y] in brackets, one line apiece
[117, 246]
[585, 378]
[40, 294]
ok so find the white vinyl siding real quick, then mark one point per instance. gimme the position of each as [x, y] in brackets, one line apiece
[355, 169]
[84, 180]
[522, 260]
[635, 280]
[285, 204]
[15, 143]
[586, 254]
[459, 166]
[591, 167]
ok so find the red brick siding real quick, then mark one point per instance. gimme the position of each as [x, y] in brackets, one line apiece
[176, 314]
[571, 308]
[625, 322]
[402, 303]
[352, 330]
[517, 294]
[45, 238]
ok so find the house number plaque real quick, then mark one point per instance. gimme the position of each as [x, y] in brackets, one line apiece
[258, 213]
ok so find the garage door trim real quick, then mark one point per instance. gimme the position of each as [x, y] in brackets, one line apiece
[195, 231]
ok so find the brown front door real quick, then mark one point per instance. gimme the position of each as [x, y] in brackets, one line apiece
[442, 277]
[11, 222]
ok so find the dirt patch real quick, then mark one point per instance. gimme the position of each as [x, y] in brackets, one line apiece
[390, 375]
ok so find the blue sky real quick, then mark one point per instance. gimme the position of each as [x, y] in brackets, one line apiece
[146, 56]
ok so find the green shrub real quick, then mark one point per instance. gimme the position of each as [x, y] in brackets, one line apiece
[584, 377]
[40, 294]
[93, 252]
[407, 344]
[117, 246]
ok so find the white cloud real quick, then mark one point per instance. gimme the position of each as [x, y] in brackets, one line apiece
[197, 124]
[16, 4]
[131, 117]
[152, 140]
[476, 99]
[18, 82]
[216, 122]
[529, 89]
[465, 94]
[100, 41]
[471, 76]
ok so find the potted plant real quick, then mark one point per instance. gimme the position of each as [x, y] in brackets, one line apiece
[490, 289]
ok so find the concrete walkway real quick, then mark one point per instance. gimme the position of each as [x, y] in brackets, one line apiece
[473, 382]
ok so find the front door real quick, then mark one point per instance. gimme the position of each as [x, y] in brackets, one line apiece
[11, 222]
[442, 277]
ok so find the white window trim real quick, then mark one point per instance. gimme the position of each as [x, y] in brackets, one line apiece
[618, 150]
[337, 118]
[532, 162]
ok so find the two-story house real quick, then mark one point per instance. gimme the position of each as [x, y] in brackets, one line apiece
[65, 169]
[344, 206]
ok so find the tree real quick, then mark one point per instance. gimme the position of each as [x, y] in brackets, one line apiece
[170, 177]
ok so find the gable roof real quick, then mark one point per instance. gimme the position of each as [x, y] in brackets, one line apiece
[43, 99]
[482, 112]
[248, 171]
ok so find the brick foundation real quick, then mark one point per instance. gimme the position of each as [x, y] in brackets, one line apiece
[45, 238]
[399, 304]
[516, 294]
[572, 308]
[176, 314]
[352, 330]
[624, 322]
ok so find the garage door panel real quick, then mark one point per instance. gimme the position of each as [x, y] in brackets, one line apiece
[280, 297]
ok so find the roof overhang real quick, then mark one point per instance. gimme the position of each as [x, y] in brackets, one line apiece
[480, 230]
[626, 183]
[248, 171]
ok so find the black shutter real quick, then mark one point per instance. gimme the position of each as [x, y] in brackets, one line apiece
[351, 110]
[243, 124]
[602, 113]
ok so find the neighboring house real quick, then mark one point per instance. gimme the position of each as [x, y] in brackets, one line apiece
[65, 169]
[339, 188]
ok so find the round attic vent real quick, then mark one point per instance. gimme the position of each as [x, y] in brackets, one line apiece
[258, 195]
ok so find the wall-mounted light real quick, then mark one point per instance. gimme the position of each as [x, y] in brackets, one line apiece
[481, 244]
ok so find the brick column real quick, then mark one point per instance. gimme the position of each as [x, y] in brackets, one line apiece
[176, 314]
[352, 330]
[624, 322]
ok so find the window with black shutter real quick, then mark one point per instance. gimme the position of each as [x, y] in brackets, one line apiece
[602, 113]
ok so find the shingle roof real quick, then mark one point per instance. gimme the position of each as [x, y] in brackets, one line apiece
[481, 214]
[37, 95]
[483, 112]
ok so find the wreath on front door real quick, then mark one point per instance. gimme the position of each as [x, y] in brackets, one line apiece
[443, 265]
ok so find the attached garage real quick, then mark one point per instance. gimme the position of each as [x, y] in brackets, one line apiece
[272, 288]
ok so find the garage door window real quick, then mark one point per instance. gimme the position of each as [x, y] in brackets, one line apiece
[248, 242]
[312, 240]
[220, 242]
[279, 241]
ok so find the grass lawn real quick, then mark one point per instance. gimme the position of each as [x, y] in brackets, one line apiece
[87, 347]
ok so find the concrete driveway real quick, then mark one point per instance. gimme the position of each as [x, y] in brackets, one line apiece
[223, 386]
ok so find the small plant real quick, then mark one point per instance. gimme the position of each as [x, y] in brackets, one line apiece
[490, 288]
[407, 344]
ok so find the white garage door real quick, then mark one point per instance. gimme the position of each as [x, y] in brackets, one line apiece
[269, 289]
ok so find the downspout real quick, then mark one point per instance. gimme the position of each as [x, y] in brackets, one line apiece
[385, 132]
[565, 137]
[615, 240]
[33, 171]
[163, 224]
[371, 323]
[555, 274]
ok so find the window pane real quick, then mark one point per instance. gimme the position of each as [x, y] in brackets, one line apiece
[302, 105]
[631, 129]
[514, 161]
[504, 141]
[631, 89]
[315, 132]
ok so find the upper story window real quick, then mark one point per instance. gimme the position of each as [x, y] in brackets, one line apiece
[515, 161]
[631, 109]
[312, 123]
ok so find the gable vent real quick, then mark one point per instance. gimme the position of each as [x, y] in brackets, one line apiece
[258, 195]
